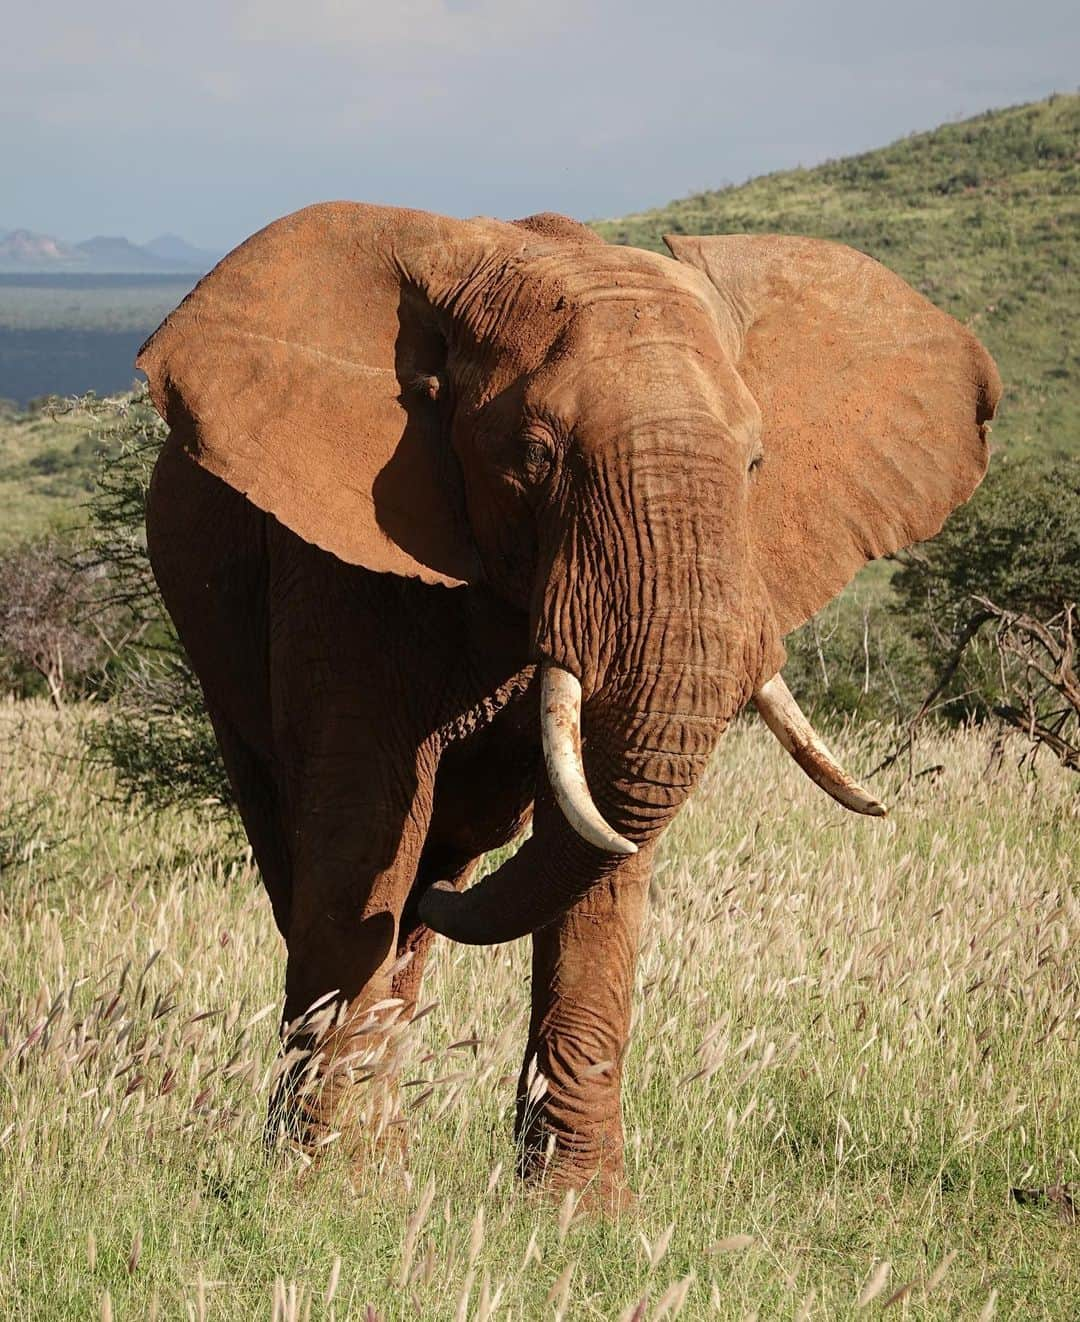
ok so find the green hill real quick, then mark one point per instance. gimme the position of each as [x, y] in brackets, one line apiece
[982, 216]
[48, 462]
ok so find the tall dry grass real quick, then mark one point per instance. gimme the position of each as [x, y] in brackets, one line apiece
[853, 1040]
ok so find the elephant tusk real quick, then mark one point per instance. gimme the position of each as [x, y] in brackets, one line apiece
[560, 725]
[781, 713]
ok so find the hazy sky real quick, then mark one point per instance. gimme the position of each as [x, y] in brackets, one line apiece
[210, 117]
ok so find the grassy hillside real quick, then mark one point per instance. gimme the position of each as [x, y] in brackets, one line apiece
[982, 216]
[47, 466]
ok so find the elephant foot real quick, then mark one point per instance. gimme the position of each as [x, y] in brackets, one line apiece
[325, 1115]
[320, 1139]
[598, 1177]
[599, 1192]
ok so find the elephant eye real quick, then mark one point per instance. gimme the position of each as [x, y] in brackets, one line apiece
[755, 463]
[537, 461]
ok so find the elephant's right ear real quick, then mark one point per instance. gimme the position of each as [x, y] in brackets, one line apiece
[307, 371]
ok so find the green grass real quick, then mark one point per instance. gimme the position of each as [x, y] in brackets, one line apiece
[48, 462]
[982, 216]
[852, 1039]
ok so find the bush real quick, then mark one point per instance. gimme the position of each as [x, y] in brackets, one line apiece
[46, 637]
[855, 658]
[158, 739]
[1016, 544]
[975, 624]
[1017, 541]
[156, 735]
[992, 603]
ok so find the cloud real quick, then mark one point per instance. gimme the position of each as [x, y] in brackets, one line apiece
[404, 28]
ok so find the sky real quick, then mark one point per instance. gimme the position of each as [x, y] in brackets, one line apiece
[208, 118]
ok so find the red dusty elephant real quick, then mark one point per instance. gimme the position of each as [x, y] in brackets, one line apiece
[466, 521]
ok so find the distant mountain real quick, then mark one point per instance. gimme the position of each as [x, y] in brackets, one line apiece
[118, 255]
[172, 248]
[24, 252]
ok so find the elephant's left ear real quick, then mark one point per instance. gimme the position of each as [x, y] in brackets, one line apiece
[874, 407]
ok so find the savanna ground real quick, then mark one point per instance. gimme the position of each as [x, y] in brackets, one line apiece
[854, 1039]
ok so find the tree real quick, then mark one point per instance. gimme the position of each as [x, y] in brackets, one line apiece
[156, 735]
[993, 601]
[43, 627]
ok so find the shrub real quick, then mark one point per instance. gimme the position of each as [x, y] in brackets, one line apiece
[158, 739]
[856, 658]
[156, 735]
[1017, 542]
[992, 603]
[45, 634]
[977, 623]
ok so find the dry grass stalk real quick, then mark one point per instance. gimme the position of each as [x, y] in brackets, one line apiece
[842, 1034]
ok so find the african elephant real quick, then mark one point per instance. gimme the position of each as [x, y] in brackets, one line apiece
[490, 521]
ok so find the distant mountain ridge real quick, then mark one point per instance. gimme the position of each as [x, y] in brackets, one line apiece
[172, 248]
[23, 251]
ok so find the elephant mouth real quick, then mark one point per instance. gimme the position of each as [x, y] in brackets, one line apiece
[560, 719]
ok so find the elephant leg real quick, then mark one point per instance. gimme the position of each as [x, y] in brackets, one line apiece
[415, 938]
[355, 857]
[569, 1114]
[256, 796]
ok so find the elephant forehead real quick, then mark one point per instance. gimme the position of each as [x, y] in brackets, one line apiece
[628, 317]
[633, 294]
[545, 299]
[622, 374]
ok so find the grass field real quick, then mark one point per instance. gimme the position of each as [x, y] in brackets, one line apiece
[853, 1039]
[48, 463]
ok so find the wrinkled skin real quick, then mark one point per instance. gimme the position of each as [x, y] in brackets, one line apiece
[431, 454]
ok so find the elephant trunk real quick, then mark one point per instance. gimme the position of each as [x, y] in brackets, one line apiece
[641, 766]
[674, 649]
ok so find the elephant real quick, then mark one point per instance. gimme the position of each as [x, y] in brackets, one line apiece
[467, 524]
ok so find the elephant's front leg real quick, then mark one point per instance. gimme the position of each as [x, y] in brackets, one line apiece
[357, 848]
[569, 1114]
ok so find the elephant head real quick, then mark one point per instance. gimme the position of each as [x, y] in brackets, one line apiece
[665, 465]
